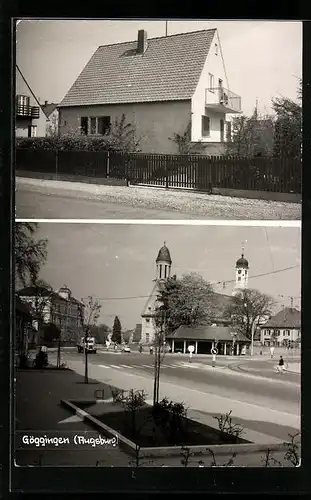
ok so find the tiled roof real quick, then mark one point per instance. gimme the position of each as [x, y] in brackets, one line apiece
[221, 333]
[287, 318]
[169, 70]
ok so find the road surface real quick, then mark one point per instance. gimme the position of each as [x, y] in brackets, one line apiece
[37, 198]
[267, 405]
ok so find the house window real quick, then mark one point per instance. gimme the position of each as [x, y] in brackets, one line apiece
[205, 126]
[229, 131]
[211, 82]
[147, 337]
[84, 125]
[277, 333]
[93, 125]
[287, 333]
[216, 49]
[104, 125]
[32, 130]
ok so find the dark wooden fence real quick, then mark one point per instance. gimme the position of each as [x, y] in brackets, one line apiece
[184, 171]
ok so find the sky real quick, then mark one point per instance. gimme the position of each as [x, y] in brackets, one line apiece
[117, 261]
[263, 59]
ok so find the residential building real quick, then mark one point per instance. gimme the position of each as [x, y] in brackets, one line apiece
[51, 113]
[204, 338]
[161, 85]
[23, 325]
[284, 326]
[30, 119]
[57, 308]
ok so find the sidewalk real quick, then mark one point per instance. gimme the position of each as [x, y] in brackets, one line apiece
[193, 203]
[294, 368]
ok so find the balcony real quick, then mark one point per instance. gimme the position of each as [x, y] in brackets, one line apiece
[222, 100]
[26, 111]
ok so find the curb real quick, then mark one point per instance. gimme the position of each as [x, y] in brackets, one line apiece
[131, 447]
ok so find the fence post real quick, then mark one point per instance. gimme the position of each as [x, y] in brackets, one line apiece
[166, 171]
[108, 166]
[56, 165]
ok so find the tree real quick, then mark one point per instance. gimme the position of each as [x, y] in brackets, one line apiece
[30, 254]
[100, 333]
[122, 136]
[251, 136]
[288, 127]
[116, 331]
[89, 312]
[248, 308]
[186, 301]
[184, 143]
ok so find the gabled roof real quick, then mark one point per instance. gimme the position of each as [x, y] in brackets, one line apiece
[287, 318]
[169, 70]
[221, 333]
[49, 108]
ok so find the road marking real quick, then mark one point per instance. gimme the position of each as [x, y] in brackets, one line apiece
[103, 366]
[71, 419]
[115, 366]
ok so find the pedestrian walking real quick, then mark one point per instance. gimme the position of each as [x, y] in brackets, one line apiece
[190, 357]
[272, 352]
[214, 360]
[280, 367]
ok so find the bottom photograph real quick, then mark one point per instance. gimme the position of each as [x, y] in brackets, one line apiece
[150, 345]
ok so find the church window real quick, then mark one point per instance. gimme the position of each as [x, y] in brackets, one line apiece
[165, 271]
[239, 278]
[160, 271]
[147, 320]
[239, 271]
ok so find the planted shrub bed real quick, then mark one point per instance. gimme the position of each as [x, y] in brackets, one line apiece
[152, 430]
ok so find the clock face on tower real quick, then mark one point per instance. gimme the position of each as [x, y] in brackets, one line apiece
[239, 271]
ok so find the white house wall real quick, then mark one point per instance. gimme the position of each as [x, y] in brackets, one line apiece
[213, 65]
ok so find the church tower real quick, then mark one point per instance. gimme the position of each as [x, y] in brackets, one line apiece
[163, 272]
[241, 274]
[164, 263]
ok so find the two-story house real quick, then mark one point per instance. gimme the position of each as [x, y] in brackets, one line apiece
[30, 119]
[161, 85]
[57, 308]
[285, 325]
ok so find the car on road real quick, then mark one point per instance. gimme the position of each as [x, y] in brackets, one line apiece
[88, 345]
[126, 348]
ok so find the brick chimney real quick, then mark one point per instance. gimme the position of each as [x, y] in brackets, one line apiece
[142, 42]
[45, 103]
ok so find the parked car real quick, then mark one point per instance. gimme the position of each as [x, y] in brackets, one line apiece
[89, 345]
[126, 348]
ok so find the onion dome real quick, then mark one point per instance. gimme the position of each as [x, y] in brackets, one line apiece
[242, 262]
[164, 255]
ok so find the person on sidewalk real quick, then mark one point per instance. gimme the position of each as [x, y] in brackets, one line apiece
[214, 360]
[272, 352]
[280, 367]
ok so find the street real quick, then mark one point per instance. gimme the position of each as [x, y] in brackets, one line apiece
[269, 404]
[36, 198]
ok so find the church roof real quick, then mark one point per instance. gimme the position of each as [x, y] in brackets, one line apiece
[164, 255]
[242, 262]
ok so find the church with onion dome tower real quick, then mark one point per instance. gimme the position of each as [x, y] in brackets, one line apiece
[163, 267]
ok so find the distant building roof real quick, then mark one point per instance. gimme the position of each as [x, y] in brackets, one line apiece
[287, 318]
[22, 308]
[49, 108]
[32, 291]
[168, 70]
[221, 333]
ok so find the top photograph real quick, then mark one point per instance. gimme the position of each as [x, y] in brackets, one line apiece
[158, 119]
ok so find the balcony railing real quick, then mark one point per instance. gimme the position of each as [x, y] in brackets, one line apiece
[221, 99]
[27, 111]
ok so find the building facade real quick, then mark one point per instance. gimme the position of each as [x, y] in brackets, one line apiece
[57, 308]
[282, 328]
[161, 85]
